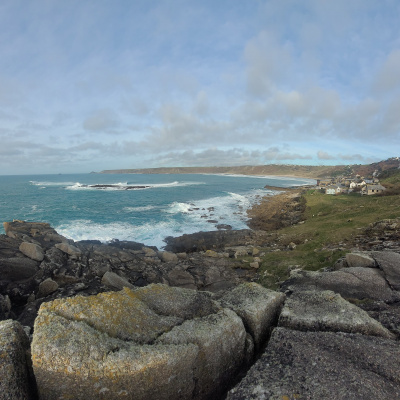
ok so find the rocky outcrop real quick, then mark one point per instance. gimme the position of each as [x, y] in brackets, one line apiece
[37, 264]
[325, 346]
[153, 342]
[331, 334]
[323, 365]
[215, 240]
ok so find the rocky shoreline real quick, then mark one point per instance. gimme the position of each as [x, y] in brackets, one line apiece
[206, 331]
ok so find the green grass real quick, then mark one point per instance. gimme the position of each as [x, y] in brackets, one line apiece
[331, 224]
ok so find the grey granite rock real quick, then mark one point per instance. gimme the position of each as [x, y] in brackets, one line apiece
[389, 263]
[360, 260]
[114, 281]
[328, 311]
[14, 374]
[32, 250]
[155, 342]
[221, 342]
[354, 282]
[323, 365]
[257, 306]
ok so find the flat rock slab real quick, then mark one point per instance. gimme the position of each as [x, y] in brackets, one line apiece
[328, 311]
[323, 365]
[350, 283]
[14, 376]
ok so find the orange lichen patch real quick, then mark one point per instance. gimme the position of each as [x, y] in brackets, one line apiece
[119, 314]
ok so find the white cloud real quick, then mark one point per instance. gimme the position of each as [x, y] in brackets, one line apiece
[104, 121]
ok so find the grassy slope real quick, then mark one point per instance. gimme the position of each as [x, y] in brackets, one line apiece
[327, 234]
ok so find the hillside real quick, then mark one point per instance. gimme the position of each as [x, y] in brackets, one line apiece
[304, 171]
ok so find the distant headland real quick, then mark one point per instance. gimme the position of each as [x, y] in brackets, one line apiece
[303, 171]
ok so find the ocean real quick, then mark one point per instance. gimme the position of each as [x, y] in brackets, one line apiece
[139, 207]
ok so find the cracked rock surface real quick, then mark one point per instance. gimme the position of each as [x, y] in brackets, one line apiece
[156, 342]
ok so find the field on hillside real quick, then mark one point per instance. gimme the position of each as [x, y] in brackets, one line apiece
[331, 224]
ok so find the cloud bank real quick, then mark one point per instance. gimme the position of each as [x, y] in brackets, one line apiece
[90, 86]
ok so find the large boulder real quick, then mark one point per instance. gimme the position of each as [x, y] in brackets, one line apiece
[360, 260]
[14, 373]
[155, 342]
[17, 268]
[32, 250]
[328, 311]
[323, 365]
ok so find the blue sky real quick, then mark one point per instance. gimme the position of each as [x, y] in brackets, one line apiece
[98, 84]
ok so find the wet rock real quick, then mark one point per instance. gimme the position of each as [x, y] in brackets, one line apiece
[323, 365]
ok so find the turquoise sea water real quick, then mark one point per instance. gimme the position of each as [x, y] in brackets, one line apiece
[170, 205]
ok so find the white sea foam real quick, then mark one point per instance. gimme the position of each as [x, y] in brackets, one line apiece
[151, 234]
[45, 183]
[127, 185]
[139, 209]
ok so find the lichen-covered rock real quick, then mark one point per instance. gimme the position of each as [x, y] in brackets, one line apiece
[328, 311]
[221, 342]
[323, 365]
[72, 360]
[14, 375]
[156, 342]
[257, 306]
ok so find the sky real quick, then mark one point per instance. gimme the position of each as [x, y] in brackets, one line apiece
[89, 85]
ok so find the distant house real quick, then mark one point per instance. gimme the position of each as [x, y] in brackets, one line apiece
[373, 189]
[353, 185]
[330, 189]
